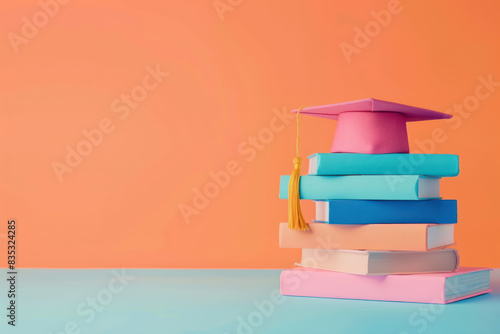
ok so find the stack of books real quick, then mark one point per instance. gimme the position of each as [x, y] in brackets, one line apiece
[381, 230]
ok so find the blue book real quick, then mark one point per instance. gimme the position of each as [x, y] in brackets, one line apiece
[379, 187]
[341, 211]
[382, 164]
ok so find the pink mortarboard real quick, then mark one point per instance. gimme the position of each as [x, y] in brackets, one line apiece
[370, 125]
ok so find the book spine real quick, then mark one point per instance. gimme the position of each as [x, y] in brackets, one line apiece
[382, 164]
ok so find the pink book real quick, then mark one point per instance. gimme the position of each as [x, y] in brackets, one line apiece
[442, 288]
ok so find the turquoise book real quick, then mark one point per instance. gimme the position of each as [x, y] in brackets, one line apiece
[382, 164]
[368, 187]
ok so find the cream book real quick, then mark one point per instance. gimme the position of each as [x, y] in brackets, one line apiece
[381, 262]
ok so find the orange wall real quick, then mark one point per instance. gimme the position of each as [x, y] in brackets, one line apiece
[229, 74]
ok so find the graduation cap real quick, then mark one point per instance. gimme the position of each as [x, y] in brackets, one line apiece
[370, 125]
[364, 126]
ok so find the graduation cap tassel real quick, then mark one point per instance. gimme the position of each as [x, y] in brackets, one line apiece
[295, 219]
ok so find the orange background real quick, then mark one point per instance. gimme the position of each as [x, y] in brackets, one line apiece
[120, 207]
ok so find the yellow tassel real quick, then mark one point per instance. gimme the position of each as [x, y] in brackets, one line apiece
[295, 219]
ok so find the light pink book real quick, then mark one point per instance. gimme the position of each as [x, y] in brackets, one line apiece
[442, 288]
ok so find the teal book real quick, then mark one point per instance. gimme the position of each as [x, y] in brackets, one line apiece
[383, 164]
[368, 187]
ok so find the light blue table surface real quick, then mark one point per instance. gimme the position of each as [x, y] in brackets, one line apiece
[219, 301]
